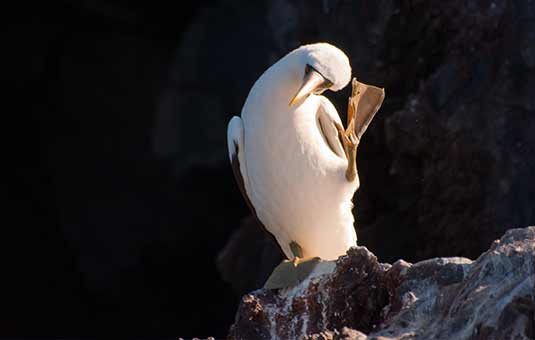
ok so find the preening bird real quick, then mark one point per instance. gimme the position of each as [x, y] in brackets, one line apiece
[294, 162]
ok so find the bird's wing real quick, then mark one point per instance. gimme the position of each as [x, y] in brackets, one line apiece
[328, 119]
[235, 146]
[235, 150]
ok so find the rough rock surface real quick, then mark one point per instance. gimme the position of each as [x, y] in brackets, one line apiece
[441, 298]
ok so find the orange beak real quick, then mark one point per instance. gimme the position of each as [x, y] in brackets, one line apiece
[313, 82]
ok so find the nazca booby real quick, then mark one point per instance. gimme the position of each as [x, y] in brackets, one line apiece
[294, 163]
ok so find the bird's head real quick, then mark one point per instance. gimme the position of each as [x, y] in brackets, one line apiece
[321, 67]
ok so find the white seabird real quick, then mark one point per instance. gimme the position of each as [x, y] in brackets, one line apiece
[290, 156]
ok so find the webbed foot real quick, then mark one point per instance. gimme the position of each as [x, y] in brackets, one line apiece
[364, 102]
[291, 272]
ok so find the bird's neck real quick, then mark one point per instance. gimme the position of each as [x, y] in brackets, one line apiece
[273, 91]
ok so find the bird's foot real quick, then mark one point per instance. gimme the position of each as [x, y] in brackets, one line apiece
[291, 272]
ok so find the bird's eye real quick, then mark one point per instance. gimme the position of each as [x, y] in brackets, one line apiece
[308, 68]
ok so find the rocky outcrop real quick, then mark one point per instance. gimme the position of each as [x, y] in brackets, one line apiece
[441, 298]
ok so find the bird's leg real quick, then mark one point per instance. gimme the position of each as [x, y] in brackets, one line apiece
[349, 141]
[291, 272]
[366, 99]
[362, 106]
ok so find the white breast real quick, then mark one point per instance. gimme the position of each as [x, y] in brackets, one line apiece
[295, 182]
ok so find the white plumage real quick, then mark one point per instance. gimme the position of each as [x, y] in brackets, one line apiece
[291, 159]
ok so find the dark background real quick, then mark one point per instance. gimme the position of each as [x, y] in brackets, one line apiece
[124, 217]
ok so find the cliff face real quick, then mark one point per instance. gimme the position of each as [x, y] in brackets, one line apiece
[492, 297]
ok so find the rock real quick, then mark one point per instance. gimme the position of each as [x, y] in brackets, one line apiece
[464, 134]
[101, 229]
[249, 239]
[492, 297]
[345, 334]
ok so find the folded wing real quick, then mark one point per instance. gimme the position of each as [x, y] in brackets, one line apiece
[235, 145]
[328, 120]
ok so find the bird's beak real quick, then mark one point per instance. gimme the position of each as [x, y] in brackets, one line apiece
[313, 82]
